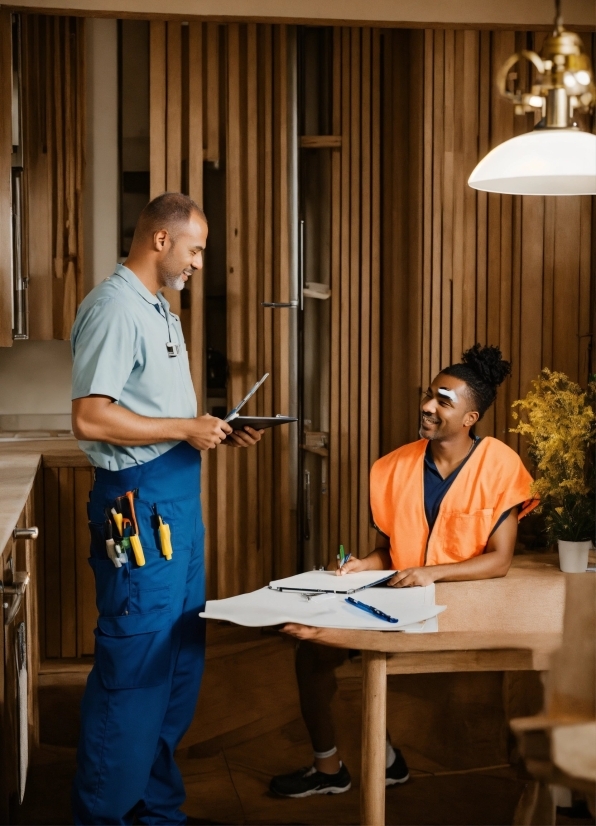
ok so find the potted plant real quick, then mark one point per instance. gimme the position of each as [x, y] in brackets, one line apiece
[559, 423]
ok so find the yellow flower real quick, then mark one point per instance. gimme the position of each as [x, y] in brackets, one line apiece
[560, 426]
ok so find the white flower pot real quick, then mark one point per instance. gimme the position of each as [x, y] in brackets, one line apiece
[573, 556]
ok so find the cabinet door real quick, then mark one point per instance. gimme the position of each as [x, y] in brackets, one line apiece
[19, 661]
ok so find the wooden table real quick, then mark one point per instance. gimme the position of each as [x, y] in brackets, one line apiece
[509, 624]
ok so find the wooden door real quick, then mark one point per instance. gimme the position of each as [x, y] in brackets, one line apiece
[18, 557]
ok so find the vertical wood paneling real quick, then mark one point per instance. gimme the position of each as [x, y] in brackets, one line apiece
[86, 610]
[281, 249]
[157, 109]
[212, 93]
[67, 563]
[335, 349]
[52, 565]
[495, 269]
[254, 554]
[5, 199]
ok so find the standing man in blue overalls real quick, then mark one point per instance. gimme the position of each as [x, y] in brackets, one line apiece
[135, 413]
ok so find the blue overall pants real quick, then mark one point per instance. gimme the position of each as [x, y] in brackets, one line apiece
[149, 648]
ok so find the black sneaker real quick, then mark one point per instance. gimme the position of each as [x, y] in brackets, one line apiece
[309, 781]
[397, 771]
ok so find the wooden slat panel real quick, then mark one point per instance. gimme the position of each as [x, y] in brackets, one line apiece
[427, 210]
[68, 606]
[174, 107]
[470, 68]
[448, 192]
[281, 246]
[415, 227]
[85, 586]
[212, 93]
[235, 272]
[344, 415]
[587, 293]
[52, 563]
[173, 136]
[267, 505]
[437, 131]
[335, 348]
[532, 255]
[80, 140]
[566, 287]
[39, 210]
[365, 295]
[195, 191]
[157, 107]
[354, 275]
[375, 287]
[484, 86]
[57, 44]
[252, 550]
[5, 186]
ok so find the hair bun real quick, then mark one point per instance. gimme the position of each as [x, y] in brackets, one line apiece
[488, 363]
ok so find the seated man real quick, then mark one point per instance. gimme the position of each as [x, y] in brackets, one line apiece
[446, 508]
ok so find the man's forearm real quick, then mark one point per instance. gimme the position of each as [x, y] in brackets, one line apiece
[485, 566]
[116, 425]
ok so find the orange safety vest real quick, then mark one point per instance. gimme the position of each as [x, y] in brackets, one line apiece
[492, 481]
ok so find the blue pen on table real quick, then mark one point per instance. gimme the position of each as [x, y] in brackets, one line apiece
[370, 609]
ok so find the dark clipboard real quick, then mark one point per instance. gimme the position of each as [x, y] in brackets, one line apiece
[259, 422]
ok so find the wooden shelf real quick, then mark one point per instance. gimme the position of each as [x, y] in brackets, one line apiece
[320, 451]
[320, 141]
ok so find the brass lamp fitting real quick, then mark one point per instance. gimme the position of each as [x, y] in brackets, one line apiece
[565, 82]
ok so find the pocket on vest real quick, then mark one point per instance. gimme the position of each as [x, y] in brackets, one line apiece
[465, 534]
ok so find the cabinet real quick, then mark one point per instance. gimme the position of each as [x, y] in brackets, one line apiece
[19, 663]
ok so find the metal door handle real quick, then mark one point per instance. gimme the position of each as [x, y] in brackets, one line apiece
[291, 305]
[25, 533]
[16, 589]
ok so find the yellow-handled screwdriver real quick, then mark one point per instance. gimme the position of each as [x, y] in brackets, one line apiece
[135, 538]
[165, 537]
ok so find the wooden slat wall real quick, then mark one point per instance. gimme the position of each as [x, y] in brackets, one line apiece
[355, 280]
[246, 494]
[513, 271]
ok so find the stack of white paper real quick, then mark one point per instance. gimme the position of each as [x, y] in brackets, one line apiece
[414, 608]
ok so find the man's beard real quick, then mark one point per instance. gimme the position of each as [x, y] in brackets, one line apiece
[433, 436]
[172, 280]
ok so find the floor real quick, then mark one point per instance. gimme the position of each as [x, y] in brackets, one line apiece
[451, 728]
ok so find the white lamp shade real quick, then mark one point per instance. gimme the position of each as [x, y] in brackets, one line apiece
[542, 162]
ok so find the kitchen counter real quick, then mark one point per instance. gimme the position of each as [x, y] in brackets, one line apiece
[19, 463]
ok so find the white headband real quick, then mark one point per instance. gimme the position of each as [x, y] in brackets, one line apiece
[450, 394]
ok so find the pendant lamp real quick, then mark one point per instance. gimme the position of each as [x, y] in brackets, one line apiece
[556, 158]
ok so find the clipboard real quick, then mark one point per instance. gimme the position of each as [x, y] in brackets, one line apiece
[259, 422]
[326, 582]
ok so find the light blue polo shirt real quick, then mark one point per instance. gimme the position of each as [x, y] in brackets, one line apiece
[119, 350]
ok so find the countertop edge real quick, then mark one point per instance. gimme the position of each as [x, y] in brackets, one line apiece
[20, 461]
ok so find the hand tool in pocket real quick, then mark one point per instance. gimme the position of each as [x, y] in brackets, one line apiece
[110, 544]
[119, 544]
[126, 506]
[165, 536]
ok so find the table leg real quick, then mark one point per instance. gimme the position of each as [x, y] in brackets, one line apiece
[374, 729]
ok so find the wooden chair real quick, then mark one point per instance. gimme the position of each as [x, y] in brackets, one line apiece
[559, 745]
